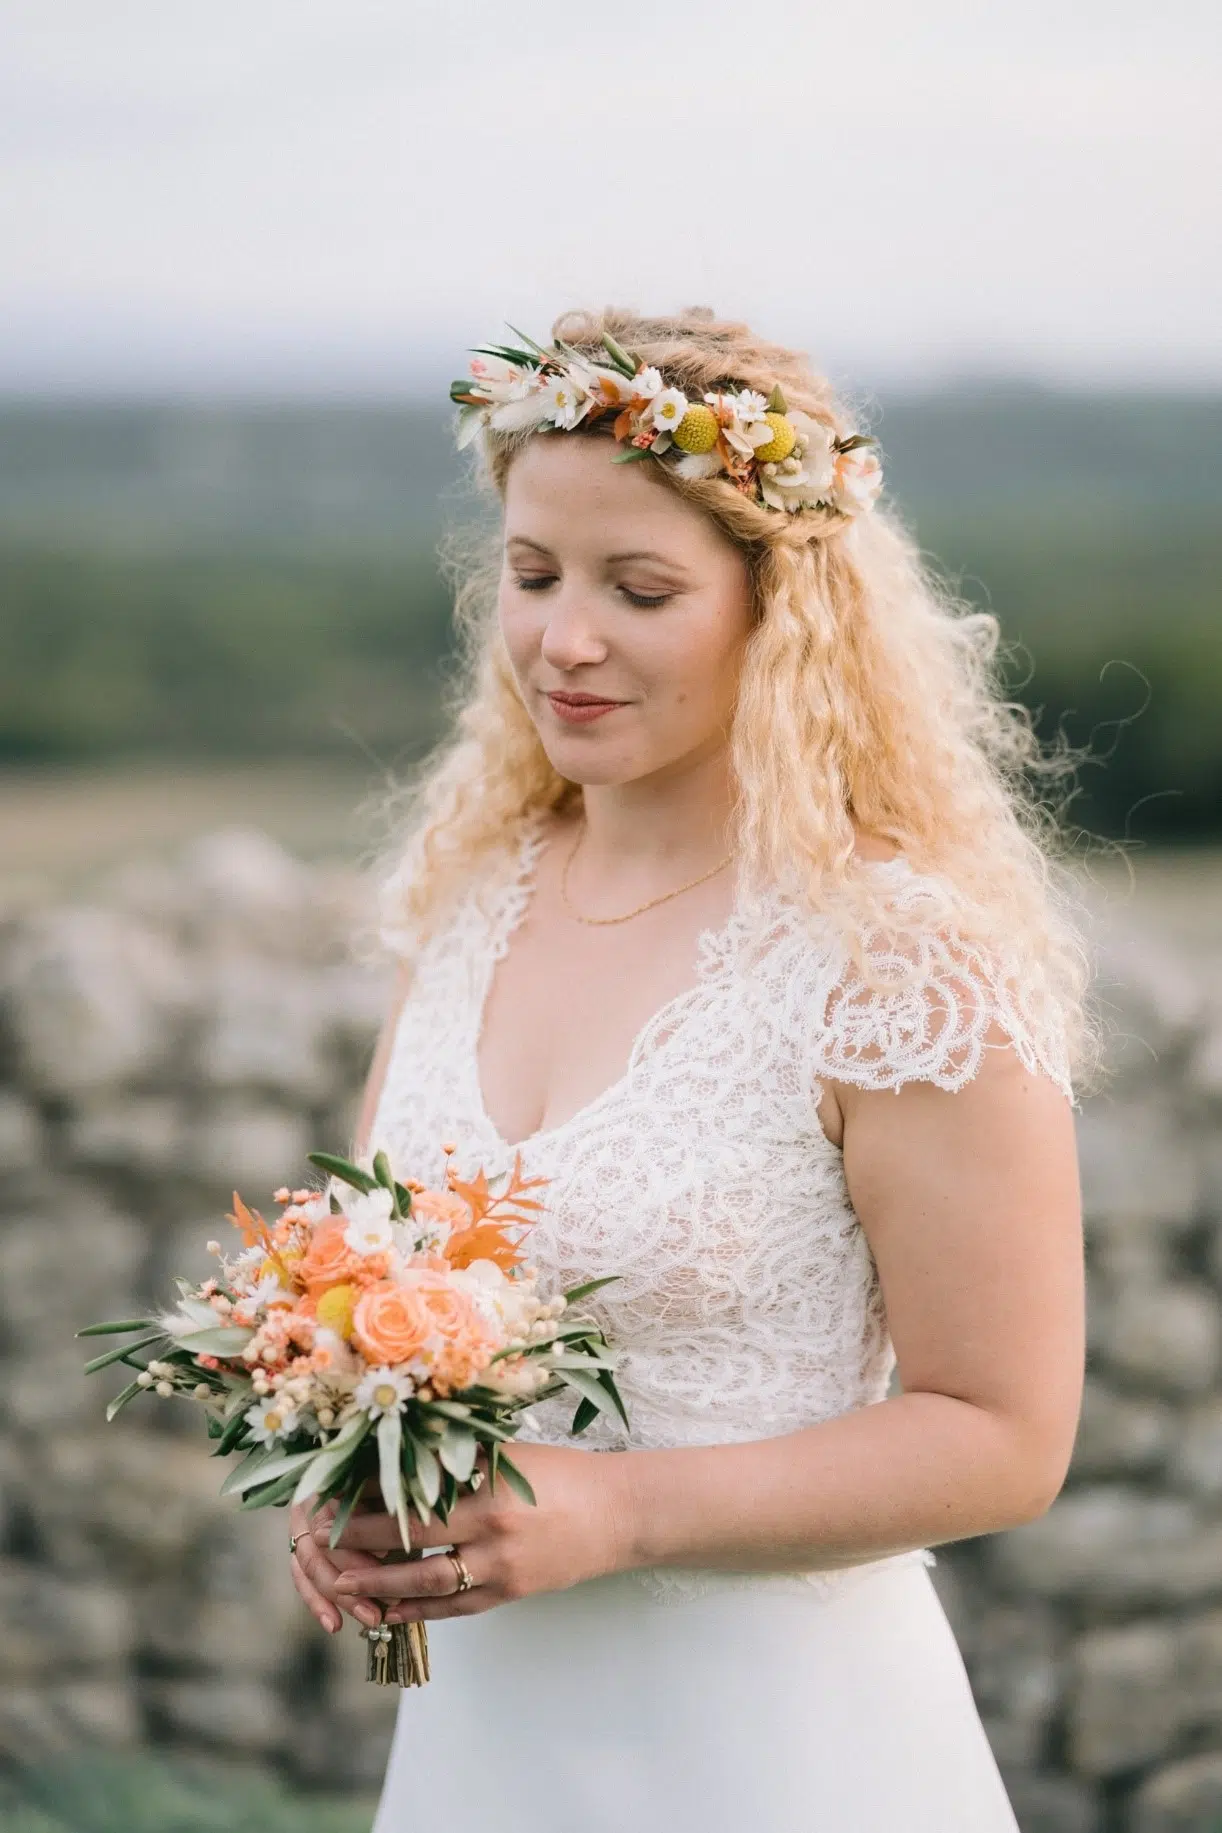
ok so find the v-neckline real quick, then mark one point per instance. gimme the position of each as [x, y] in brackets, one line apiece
[714, 953]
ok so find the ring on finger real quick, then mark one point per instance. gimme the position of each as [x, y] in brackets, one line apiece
[293, 1539]
[465, 1580]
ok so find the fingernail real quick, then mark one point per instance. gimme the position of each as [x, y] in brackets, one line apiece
[332, 1624]
[365, 1613]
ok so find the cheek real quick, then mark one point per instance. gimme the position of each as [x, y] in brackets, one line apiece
[704, 655]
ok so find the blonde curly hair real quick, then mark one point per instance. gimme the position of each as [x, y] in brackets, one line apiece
[868, 700]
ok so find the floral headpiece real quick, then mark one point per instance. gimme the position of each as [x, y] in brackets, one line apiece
[782, 459]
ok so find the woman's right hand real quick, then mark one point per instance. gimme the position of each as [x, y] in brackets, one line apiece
[315, 1569]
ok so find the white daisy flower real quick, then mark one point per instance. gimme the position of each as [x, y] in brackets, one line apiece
[668, 408]
[567, 400]
[368, 1229]
[384, 1390]
[646, 383]
[272, 1419]
[749, 405]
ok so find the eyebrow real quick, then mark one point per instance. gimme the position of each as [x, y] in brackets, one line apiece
[612, 559]
[645, 553]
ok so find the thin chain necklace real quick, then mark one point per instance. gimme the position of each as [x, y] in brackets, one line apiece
[666, 895]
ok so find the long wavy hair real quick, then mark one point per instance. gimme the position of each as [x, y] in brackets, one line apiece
[869, 699]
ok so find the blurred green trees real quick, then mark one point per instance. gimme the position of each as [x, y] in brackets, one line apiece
[256, 581]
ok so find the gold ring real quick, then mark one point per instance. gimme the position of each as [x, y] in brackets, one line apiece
[465, 1580]
[293, 1539]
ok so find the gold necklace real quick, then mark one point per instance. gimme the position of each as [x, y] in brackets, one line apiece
[666, 895]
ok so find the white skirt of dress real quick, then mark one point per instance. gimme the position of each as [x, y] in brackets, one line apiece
[603, 1709]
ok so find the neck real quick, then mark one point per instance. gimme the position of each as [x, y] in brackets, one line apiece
[680, 820]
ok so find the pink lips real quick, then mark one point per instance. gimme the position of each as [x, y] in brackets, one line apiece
[580, 709]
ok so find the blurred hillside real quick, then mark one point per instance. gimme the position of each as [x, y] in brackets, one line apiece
[247, 582]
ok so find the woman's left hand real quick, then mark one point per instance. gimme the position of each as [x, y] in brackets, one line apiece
[574, 1531]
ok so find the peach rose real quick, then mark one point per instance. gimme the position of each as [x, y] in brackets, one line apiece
[467, 1339]
[392, 1323]
[329, 1261]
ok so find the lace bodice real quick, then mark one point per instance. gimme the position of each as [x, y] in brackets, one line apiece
[748, 1303]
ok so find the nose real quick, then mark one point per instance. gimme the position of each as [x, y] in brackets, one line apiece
[571, 636]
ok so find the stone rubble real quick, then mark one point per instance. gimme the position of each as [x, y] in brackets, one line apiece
[202, 1023]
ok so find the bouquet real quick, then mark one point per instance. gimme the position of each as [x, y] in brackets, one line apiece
[377, 1335]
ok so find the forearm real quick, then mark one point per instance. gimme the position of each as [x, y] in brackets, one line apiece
[912, 1471]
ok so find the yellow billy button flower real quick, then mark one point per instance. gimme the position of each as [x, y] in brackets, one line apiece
[335, 1309]
[784, 438]
[697, 431]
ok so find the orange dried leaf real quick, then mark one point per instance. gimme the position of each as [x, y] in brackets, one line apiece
[474, 1194]
[487, 1241]
[255, 1232]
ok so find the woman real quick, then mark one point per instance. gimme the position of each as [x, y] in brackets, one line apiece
[724, 907]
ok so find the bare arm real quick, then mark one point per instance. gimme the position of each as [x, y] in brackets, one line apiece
[970, 1204]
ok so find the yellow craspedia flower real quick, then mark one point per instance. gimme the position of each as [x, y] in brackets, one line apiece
[784, 438]
[335, 1308]
[697, 431]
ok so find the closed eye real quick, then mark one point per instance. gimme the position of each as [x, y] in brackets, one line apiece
[642, 598]
[534, 582]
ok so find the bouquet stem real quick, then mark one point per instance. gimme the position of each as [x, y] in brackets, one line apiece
[397, 1654]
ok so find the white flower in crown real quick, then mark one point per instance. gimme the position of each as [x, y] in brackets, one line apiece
[568, 399]
[749, 405]
[526, 405]
[857, 481]
[743, 429]
[804, 479]
[647, 383]
[368, 1229]
[494, 373]
[668, 408]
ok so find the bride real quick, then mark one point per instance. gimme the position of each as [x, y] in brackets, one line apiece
[726, 907]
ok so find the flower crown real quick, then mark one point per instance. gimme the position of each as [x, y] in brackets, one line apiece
[782, 459]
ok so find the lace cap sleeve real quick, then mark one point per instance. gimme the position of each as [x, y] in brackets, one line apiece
[919, 1003]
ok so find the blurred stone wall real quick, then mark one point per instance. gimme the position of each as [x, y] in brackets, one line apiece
[200, 1025]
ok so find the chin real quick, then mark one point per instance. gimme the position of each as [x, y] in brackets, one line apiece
[580, 763]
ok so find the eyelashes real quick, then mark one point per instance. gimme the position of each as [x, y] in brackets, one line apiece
[539, 582]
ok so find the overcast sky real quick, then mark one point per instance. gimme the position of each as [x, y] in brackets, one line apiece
[343, 194]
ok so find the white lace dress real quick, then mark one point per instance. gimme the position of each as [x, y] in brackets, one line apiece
[670, 1700]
